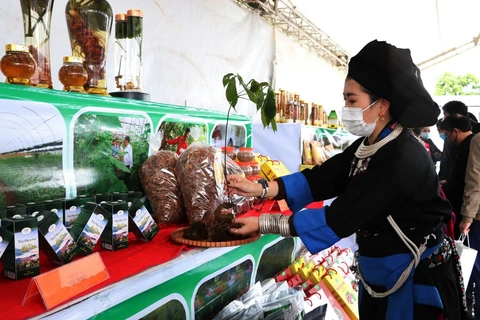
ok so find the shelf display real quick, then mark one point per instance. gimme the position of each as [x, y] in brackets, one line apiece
[37, 15]
[17, 64]
[89, 26]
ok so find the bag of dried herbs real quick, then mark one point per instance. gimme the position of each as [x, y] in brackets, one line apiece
[201, 177]
[157, 176]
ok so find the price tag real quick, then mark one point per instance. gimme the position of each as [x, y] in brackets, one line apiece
[67, 281]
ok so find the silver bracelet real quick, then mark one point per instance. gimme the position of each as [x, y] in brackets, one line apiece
[274, 223]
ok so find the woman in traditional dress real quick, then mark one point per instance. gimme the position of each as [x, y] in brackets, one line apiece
[386, 190]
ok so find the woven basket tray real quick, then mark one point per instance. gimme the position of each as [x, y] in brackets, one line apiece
[177, 236]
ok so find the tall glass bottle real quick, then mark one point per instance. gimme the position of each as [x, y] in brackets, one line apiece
[37, 15]
[121, 51]
[134, 49]
[89, 25]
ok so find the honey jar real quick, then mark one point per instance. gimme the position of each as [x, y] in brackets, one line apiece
[230, 152]
[17, 64]
[73, 74]
[245, 155]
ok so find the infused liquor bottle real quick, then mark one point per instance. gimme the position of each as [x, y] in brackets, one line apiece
[134, 49]
[121, 51]
[332, 120]
[89, 26]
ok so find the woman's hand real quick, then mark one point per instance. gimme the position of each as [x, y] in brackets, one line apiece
[240, 186]
[249, 226]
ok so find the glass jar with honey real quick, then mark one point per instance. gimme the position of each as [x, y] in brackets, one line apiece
[73, 74]
[17, 64]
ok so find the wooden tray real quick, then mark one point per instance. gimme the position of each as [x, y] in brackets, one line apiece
[177, 236]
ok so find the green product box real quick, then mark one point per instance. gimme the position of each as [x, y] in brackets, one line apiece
[141, 222]
[89, 226]
[34, 208]
[115, 236]
[21, 258]
[135, 194]
[3, 214]
[55, 240]
[5, 237]
[72, 208]
[18, 210]
[55, 206]
[119, 196]
[103, 197]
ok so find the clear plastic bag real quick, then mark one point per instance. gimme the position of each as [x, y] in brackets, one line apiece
[200, 172]
[157, 176]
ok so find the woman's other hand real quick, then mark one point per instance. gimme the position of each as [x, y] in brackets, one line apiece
[240, 186]
[249, 225]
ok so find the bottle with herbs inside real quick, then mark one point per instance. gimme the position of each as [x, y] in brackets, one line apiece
[72, 74]
[313, 120]
[282, 106]
[134, 48]
[89, 26]
[17, 64]
[301, 112]
[121, 51]
[37, 15]
[289, 108]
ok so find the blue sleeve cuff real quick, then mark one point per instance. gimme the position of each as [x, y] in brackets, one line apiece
[298, 191]
[311, 226]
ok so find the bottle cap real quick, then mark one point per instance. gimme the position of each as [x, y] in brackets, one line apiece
[73, 59]
[16, 47]
[120, 17]
[135, 13]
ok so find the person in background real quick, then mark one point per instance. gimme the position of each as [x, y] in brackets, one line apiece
[387, 193]
[470, 223]
[128, 160]
[417, 132]
[181, 141]
[114, 148]
[432, 149]
[458, 130]
[449, 150]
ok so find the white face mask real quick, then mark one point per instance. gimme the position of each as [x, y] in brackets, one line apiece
[352, 119]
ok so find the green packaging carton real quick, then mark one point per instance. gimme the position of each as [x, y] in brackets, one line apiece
[56, 206]
[89, 226]
[119, 196]
[135, 194]
[103, 197]
[3, 214]
[115, 236]
[141, 222]
[18, 210]
[21, 258]
[34, 208]
[72, 208]
[5, 237]
[55, 240]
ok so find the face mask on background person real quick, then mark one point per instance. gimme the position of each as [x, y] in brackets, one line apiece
[443, 136]
[425, 135]
[352, 119]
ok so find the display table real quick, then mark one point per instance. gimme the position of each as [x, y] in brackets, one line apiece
[152, 277]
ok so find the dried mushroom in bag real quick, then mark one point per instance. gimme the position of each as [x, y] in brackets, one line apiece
[157, 176]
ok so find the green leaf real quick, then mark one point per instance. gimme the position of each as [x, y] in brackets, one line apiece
[255, 86]
[251, 95]
[231, 93]
[264, 118]
[226, 78]
[263, 84]
[274, 125]
[119, 165]
[108, 122]
[269, 106]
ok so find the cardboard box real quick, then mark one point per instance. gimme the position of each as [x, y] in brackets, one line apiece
[343, 293]
[34, 208]
[135, 194]
[115, 235]
[306, 166]
[89, 226]
[55, 206]
[55, 240]
[5, 238]
[103, 197]
[3, 214]
[119, 196]
[73, 207]
[18, 210]
[21, 258]
[273, 169]
[141, 222]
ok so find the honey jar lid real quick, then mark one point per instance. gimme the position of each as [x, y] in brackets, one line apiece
[73, 59]
[135, 13]
[120, 17]
[16, 47]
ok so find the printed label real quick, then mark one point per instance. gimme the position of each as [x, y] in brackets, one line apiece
[60, 240]
[92, 231]
[26, 248]
[72, 215]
